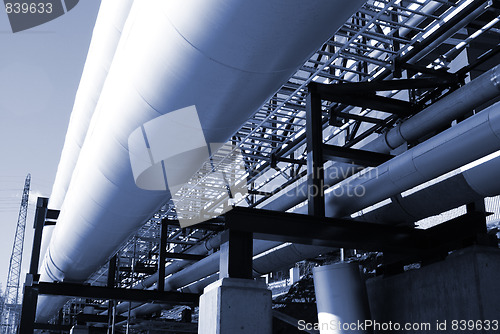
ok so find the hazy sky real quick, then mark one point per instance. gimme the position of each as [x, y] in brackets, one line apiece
[39, 74]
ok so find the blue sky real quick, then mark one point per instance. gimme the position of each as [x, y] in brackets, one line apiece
[39, 74]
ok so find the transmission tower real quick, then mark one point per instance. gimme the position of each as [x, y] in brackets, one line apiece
[11, 307]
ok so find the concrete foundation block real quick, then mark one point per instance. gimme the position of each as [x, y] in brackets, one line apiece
[463, 288]
[235, 306]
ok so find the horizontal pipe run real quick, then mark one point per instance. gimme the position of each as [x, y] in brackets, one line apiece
[457, 146]
[470, 185]
[451, 107]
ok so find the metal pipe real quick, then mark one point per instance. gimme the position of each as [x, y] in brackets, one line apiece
[463, 188]
[433, 118]
[107, 31]
[463, 143]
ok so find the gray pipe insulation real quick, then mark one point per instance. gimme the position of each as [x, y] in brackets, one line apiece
[341, 298]
[457, 146]
[106, 34]
[473, 184]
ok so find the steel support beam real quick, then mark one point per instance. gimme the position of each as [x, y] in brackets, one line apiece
[200, 226]
[40, 216]
[336, 232]
[441, 79]
[357, 156]
[111, 284]
[53, 328]
[321, 231]
[370, 101]
[28, 309]
[162, 256]
[184, 256]
[105, 293]
[314, 140]
[236, 253]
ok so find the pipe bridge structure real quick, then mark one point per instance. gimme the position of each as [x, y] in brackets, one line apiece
[217, 145]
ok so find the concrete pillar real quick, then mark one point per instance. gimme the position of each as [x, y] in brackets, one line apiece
[294, 275]
[235, 306]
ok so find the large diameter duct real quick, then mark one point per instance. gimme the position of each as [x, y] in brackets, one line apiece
[223, 56]
[465, 142]
[341, 298]
[226, 57]
[441, 113]
[471, 185]
[107, 31]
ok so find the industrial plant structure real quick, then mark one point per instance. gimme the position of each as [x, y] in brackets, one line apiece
[277, 166]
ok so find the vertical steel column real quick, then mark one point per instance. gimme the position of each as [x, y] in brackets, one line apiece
[28, 309]
[314, 135]
[162, 256]
[236, 254]
[111, 284]
[30, 291]
[478, 206]
[40, 216]
[480, 225]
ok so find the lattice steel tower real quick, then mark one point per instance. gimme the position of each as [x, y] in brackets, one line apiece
[11, 307]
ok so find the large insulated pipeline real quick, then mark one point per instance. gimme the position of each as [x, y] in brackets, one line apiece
[106, 34]
[474, 138]
[225, 57]
[436, 116]
[472, 184]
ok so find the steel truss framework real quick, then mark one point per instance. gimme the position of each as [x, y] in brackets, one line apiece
[384, 40]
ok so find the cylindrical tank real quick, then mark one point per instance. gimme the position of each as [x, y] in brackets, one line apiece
[341, 298]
